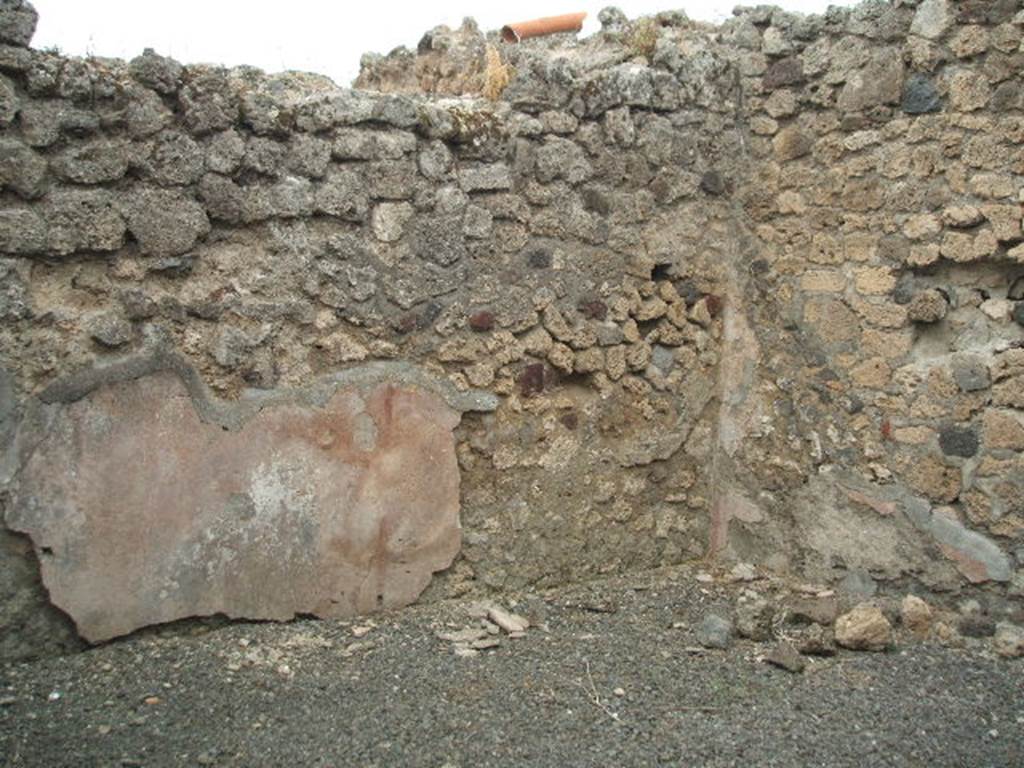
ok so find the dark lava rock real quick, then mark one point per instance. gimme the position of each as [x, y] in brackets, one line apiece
[539, 258]
[593, 309]
[976, 625]
[531, 380]
[788, 71]
[110, 330]
[958, 441]
[985, 11]
[812, 610]
[920, 96]
[713, 183]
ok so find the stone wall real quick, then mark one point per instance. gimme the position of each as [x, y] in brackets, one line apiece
[884, 421]
[751, 292]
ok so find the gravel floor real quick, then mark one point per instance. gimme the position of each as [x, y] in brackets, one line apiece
[609, 679]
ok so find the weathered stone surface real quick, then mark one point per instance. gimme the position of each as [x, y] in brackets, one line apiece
[17, 22]
[93, 163]
[82, 220]
[22, 231]
[22, 169]
[916, 615]
[110, 330]
[715, 631]
[332, 509]
[932, 19]
[785, 656]
[865, 628]
[157, 72]
[479, 178]
[878, 83]
[927, 307]
[389, 220]
[1009, 640]
[754, 619]
[978, 558]
[165, 223]
[792, 143]
[721, 250]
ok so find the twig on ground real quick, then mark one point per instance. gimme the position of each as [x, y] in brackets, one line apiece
[595, 697]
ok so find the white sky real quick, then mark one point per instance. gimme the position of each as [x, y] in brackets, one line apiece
[316, 36]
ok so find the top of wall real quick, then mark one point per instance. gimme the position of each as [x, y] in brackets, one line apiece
[664, 62]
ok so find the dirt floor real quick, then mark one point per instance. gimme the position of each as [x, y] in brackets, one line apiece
[610, 675]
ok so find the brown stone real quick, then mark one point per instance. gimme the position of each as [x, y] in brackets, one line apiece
[142, 512]
[916, 615]
[874, 281]
[1003, 429]
[791, 143]
[968, 91]
[787, 71]
[865, 628]
[1009, 640]
[927, 306]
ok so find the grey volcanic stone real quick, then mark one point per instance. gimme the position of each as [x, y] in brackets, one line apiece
[8, 409]
[43, 122]
[858, 583]
[224, 152]
[971, 373]
[560, 158]
[932, 19]
[176, 159]
[223, 198]
[754, 619]
[146, 112]
[344, 195]
[715, 631]
[82, 220]
[878, 83]
[484, 178]
[15, 302]
[110, 330]
[164, 222]
[9, 103]
[17, 22]
[22, 169]
[158, 72]
[208, 100]
[920, 95]
[93, 163]
[785, 656]
[787, 71]
[439, 239]
[308, 156]
[22, 231]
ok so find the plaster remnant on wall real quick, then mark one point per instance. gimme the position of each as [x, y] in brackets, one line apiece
[142, 512]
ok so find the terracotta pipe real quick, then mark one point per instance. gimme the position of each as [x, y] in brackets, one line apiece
[549, 25]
